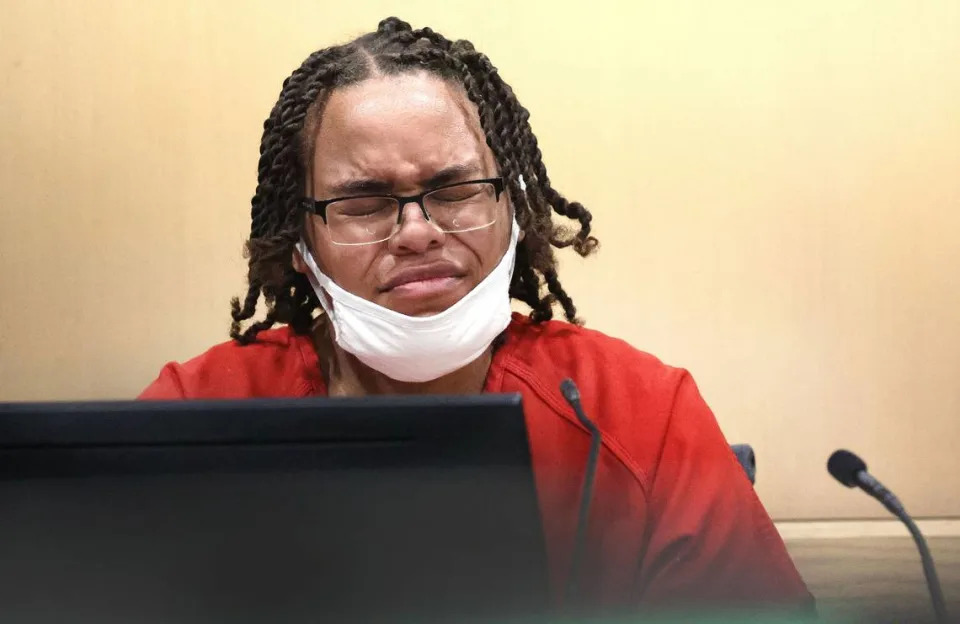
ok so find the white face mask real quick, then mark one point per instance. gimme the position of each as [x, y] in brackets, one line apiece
[418, 348]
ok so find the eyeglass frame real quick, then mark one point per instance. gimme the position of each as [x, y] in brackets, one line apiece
[319, 206]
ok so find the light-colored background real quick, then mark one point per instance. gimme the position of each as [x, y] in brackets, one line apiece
[776, 186]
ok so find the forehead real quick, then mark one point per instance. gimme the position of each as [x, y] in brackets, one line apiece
[396, 129]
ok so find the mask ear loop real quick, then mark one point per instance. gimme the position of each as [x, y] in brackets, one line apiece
[325, 302]
[526, 202]
[526, 198]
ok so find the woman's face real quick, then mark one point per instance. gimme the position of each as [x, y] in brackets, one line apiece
[403, 135]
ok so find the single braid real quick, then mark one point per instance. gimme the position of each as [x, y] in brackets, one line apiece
[286, 151]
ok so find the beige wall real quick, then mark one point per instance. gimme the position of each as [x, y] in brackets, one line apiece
[776, 186]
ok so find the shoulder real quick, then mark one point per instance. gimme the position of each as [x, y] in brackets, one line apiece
[599, 364]
[630, 394]
[276, 364]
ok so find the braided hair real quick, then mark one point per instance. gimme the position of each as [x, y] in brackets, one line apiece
[287, 146]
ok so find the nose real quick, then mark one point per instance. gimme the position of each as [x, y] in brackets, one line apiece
[415, 235]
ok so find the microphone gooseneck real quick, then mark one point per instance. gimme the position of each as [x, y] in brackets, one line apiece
[851, 471]
[572, 396]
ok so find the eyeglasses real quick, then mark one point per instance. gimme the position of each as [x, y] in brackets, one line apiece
[368, 219]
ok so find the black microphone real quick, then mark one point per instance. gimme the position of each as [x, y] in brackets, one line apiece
[572, 395]
[851, 471]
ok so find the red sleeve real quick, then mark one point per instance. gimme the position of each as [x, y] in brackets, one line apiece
[278, 364]
[166, 386]
[711, 538]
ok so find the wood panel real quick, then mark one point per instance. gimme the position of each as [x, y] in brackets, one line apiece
[876, 579]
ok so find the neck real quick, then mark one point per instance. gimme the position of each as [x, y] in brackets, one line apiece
[345, 375]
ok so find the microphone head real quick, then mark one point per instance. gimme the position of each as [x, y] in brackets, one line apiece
[570, 391]
[845, 466]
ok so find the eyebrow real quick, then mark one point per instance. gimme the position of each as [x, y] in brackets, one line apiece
[447, 175]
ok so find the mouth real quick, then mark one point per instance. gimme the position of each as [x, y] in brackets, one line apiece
[426, 277]
[425, 288]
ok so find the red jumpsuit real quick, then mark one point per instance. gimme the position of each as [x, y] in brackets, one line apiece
[674, 520]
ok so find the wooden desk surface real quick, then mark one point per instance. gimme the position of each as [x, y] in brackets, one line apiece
[877, 579]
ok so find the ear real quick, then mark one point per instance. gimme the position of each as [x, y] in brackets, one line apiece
[298, 263]
[513, 217]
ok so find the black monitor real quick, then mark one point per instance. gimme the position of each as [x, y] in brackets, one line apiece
[300, 510]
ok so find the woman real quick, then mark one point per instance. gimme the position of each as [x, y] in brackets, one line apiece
[401, 204]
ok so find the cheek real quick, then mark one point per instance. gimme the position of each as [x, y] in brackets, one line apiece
[352, 268]
[486, 248]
